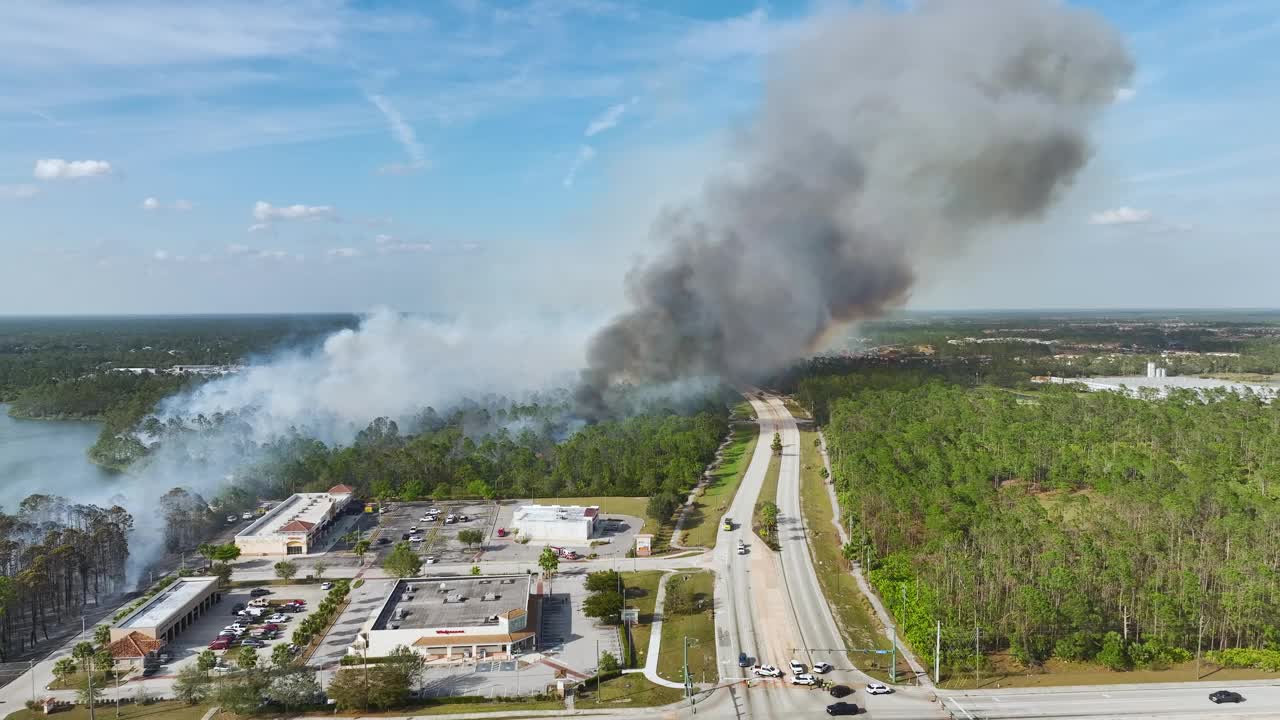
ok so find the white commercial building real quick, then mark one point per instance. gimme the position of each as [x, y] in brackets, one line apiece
[170, 611]
[451, 617]
[567, 523]
[295, 526]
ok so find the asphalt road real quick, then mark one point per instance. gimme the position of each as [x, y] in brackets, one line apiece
[1188, 700]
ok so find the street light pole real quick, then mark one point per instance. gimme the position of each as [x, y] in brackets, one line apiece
[937, 655]
[893, 665]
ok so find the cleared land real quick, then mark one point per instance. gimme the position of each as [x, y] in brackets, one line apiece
[744, 409]
[768, 493]
[634, 506]
[853, 613]
[703, 519]
[796, 409]
[698, 626]
[630, 690]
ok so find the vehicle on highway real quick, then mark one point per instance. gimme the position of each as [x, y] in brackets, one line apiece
[766, 671]
[1224, 696]
[743, 660]
[797, 667]
[326, 586]
[728, 523]
[839, 691]
[822, 667]
[876, 688]
[842, 708]
[246, 515]
[742, 548]
[804, 679]
[259, 592]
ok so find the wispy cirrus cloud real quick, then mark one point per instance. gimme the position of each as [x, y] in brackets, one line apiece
[405, 135]
[153, 204]
[265, 212]
[585, 155]
[608, 119]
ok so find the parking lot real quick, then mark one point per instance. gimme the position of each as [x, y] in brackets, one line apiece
[439, 538]
[196, 639]
[616, 536]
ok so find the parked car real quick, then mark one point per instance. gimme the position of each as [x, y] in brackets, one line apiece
[804, 679]
[430, 559]
[254, 643]
[231, 517]
[822, 667]
[766, 671]
[415, 538]
[797, 667]
[246, 515]
[842, 708]
[223, 669]
[876, 688]
[839, 691]
[237, 608]
[1224, 696]
[502, 532]
[743, 660]
[258, 603]
[220, 644]
[413, 530]
[326, 586]
[271, 627]
[383, 540]
[259, 592]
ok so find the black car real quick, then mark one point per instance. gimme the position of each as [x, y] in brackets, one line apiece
[839, 691]
[842, 708]
[743, 660]
[383, 540]
[1222, 696]
[259, 592]
[235, 609]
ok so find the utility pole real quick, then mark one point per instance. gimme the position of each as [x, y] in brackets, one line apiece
[89, 665]
[31, 670]
[597, 668]
[1199, 638]
[937, 654]
[893, 665]
[977, 657]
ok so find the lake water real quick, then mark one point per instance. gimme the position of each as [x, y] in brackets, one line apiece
[48, 456]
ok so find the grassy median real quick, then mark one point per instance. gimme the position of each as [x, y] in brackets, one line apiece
[854, 615]
[703, 519]
[768, 493]
[698, 625]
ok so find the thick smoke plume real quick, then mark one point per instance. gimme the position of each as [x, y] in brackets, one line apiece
[883, 137]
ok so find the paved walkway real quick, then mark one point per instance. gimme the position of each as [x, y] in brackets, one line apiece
[922, 675]
[655, 639]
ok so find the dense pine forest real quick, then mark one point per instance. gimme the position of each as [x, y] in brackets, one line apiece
[1059, 524]
[56, 557]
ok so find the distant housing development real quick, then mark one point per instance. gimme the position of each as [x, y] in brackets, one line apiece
[451, 617]
[556, 522]
[295, 526]
[1159, 383]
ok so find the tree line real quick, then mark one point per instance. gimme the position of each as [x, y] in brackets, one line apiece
[1060, 524]
[56, 556]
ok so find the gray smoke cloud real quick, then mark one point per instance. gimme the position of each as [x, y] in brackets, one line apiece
[883, 137]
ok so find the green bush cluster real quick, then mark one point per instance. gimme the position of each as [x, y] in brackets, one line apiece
[324, 614]
[1268, 660]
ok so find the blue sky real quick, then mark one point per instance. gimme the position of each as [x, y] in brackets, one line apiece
[474, 154]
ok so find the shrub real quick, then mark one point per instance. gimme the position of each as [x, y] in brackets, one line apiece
[1268, 660]
[1076, 646]
[1113, 654]
[358, 583]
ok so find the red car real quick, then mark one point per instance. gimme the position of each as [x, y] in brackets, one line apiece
[219, 644]
[271, 627]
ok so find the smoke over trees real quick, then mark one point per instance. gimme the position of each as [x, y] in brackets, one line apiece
[883, 137]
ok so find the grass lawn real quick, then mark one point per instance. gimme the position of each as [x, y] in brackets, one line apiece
[454, 708]
[704, 518]
[796, 410]
[641, 592]
[167, 710]
[1007, 673]
[699, 627]
[744, 409]
[630, 690]
[80, 679]
[768, 493]
[854, 616]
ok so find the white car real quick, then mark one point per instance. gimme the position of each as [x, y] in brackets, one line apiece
[278, 618]
[415, 538]
[246, 516]
[427, 518]
[822, 667]
[797, 667]
[878, 689]
[430, 559]
[766, 671]
[231, 518]
[326, 586]
[804, 679]
[223, 669]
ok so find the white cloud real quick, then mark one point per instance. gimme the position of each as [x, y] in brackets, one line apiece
[152, 203]
[1120, 216]
[1124, 95]
[59, 169]
[407, 137]
[18, 192]
[344, 252]
[265, 212]
[382, 239]
[238, 249]
[610, 118]
[389, 247]
[161, 255]
[586, 154]
[259, 227]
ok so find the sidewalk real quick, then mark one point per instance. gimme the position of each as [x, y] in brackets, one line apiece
[655, 639]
